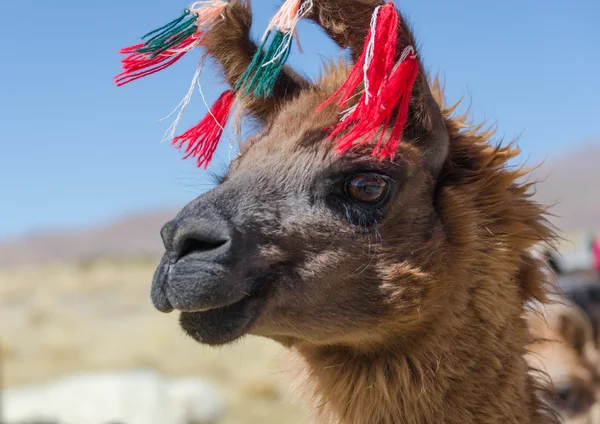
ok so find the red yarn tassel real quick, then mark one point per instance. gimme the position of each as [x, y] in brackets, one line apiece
[345, 92]
[368, 119]
[203, 139]
[387, 88]
[138, 65]
[399, 91]
[381, 50]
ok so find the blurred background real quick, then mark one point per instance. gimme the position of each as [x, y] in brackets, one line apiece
[85, 186]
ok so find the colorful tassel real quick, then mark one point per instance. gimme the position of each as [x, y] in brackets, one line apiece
[387, 87]
[261, 75]
[203, 139]
[166, 45]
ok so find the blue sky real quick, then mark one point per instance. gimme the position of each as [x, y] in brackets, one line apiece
[77, 151]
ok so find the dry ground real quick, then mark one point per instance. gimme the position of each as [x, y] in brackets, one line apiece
[61, 319]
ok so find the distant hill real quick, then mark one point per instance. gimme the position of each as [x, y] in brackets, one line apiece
[132, 236]
[571, 179]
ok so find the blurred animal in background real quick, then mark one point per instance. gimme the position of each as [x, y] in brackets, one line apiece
[565, 345]
[141, 397]
[564, 349]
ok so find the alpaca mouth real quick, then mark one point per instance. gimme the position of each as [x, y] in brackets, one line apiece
[218, 304]
[224, 324]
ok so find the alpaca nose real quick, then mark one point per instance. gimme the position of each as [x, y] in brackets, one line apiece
[202, 259]
[206, 238]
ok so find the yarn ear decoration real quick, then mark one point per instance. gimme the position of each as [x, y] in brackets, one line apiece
[202, 140]
[387, 87]
[261, 75]
[166, 45]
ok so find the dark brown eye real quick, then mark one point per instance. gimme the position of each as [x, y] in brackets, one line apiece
[368, 188]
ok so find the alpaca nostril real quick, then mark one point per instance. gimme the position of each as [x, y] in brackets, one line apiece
[207, 239]
[197, 245]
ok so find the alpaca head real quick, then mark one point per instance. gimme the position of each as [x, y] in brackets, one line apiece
[303, 245]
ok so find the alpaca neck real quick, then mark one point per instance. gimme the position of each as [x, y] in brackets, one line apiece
[464, 368]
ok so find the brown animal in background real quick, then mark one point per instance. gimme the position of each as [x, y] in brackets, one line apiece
[399, 284]
[565, 351]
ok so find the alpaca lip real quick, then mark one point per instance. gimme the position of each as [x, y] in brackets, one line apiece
[198, 287]
[225, 324]
[212, 308]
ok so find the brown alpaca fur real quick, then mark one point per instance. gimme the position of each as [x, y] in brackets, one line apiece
[417, 318]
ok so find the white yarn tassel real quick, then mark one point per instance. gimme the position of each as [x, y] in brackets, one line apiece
[370, 53]
[286, 20]
[208, 11]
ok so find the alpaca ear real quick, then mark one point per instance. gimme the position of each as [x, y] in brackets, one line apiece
[575, 329]
[347, 22]
[228, 42]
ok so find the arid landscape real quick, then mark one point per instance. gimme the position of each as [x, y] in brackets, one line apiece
[57, 320]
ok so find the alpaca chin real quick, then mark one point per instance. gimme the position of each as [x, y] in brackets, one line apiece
[223, 325]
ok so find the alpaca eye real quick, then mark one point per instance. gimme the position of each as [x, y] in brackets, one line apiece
[367, 188]
[573, 400]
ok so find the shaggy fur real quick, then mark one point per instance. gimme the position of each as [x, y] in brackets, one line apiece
[411, 313]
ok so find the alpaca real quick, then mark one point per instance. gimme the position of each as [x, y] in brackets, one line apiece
[565, 349]
[400, 285]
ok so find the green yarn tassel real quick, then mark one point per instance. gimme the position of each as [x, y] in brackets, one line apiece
[169, 35]
[257, 60]
[261, 75]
